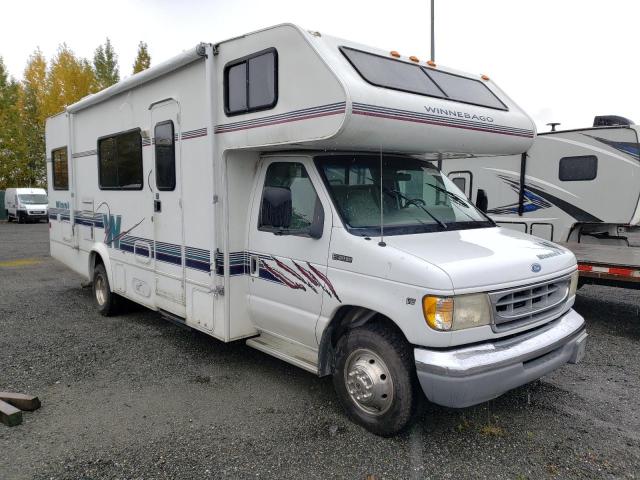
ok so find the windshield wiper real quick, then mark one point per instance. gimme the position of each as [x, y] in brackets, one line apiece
[455, 198]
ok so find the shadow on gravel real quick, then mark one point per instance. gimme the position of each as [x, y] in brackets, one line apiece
[608, 309]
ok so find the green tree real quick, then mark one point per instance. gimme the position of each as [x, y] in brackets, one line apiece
[11, 145]
[105, 65]
[143, 59]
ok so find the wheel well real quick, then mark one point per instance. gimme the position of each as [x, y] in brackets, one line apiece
[347, 317]
[94, 259]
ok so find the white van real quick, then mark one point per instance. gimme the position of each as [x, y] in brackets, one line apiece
[26, 204]
[271, 188]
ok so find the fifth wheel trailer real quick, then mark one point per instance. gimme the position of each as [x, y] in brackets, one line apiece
[577, 187]
[271, 188]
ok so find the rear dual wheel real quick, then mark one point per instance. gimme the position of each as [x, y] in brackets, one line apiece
[375, 379]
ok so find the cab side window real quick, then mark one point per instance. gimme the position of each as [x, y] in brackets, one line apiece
[290, 204]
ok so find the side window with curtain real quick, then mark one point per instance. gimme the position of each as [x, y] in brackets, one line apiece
[290, 204]
[165, 150]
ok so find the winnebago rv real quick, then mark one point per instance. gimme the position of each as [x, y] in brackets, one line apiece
[269, 188]
[576, 186]
[26, 204]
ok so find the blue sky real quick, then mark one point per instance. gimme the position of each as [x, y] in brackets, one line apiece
[561, 60]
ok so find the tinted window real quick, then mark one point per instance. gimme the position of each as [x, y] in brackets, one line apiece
[165, 156]
[389, 73]
[120, 161]
[262, 81]
[305, 204]
[408, 77]
[60, 169]
[465, 90]
[578, 168]
[251, 83]
[460, 182]
[237, 88]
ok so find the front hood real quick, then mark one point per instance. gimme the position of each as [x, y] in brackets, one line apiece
[487, 258]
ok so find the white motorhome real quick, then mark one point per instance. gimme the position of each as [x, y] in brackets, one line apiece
[269, 188]
[26, 204]
[578, 186]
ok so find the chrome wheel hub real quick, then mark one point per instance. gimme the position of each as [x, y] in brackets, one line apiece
[368, 382]
[101, 290]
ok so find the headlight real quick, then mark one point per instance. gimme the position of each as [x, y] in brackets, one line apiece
[456, 313]
[573, 286]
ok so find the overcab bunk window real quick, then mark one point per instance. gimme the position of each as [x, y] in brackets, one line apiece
[165, 150]
[408, 77]
[251, 83]
[60, 169]
[120, 161]
[578, 169]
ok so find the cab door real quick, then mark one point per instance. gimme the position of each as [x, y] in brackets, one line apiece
[168, 222]
[289, 237]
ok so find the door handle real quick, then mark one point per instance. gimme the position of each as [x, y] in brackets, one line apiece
[254, 265]
[157, 206]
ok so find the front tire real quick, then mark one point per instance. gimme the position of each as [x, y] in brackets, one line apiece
[21, 218]
[9, 219]
[106, 301]
[375, 379]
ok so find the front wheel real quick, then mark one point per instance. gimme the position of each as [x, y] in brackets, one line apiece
[375, 379]
[9, 219]
[106, 300]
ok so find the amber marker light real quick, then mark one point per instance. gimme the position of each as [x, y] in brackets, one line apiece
[438, 312]
[485, 77]
[413, 58]
[431, 63]
[394, 54]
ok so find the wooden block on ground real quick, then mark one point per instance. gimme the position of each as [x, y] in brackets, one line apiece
[10, 415]
[21, 401]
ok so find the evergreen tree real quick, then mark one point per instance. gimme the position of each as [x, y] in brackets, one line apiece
[105, 64]
[143, 59]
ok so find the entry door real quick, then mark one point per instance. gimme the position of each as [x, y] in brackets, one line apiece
[168, 224]
[462, 180]
[284, 258]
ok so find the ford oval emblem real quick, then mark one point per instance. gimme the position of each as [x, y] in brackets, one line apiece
[536, 267]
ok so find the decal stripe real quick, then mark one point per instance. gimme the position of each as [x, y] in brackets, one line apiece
[418, 117]
[188, 135]
[293, 116]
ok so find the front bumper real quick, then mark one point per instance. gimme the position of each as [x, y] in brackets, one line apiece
[467, 376]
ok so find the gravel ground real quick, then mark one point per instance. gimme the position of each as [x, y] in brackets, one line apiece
[136, 397]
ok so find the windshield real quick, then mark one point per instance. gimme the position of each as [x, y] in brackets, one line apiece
[416, 198]
[33, 199]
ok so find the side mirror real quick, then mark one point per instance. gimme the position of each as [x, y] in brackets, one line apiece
[276, 209]
[317, 227]
[482, 201]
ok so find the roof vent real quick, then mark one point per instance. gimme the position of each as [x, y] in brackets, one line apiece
[611, 121]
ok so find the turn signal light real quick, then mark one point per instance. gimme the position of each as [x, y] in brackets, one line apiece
[438, 312]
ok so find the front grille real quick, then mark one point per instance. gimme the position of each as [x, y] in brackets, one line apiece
[521, 306]
[36, 212]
